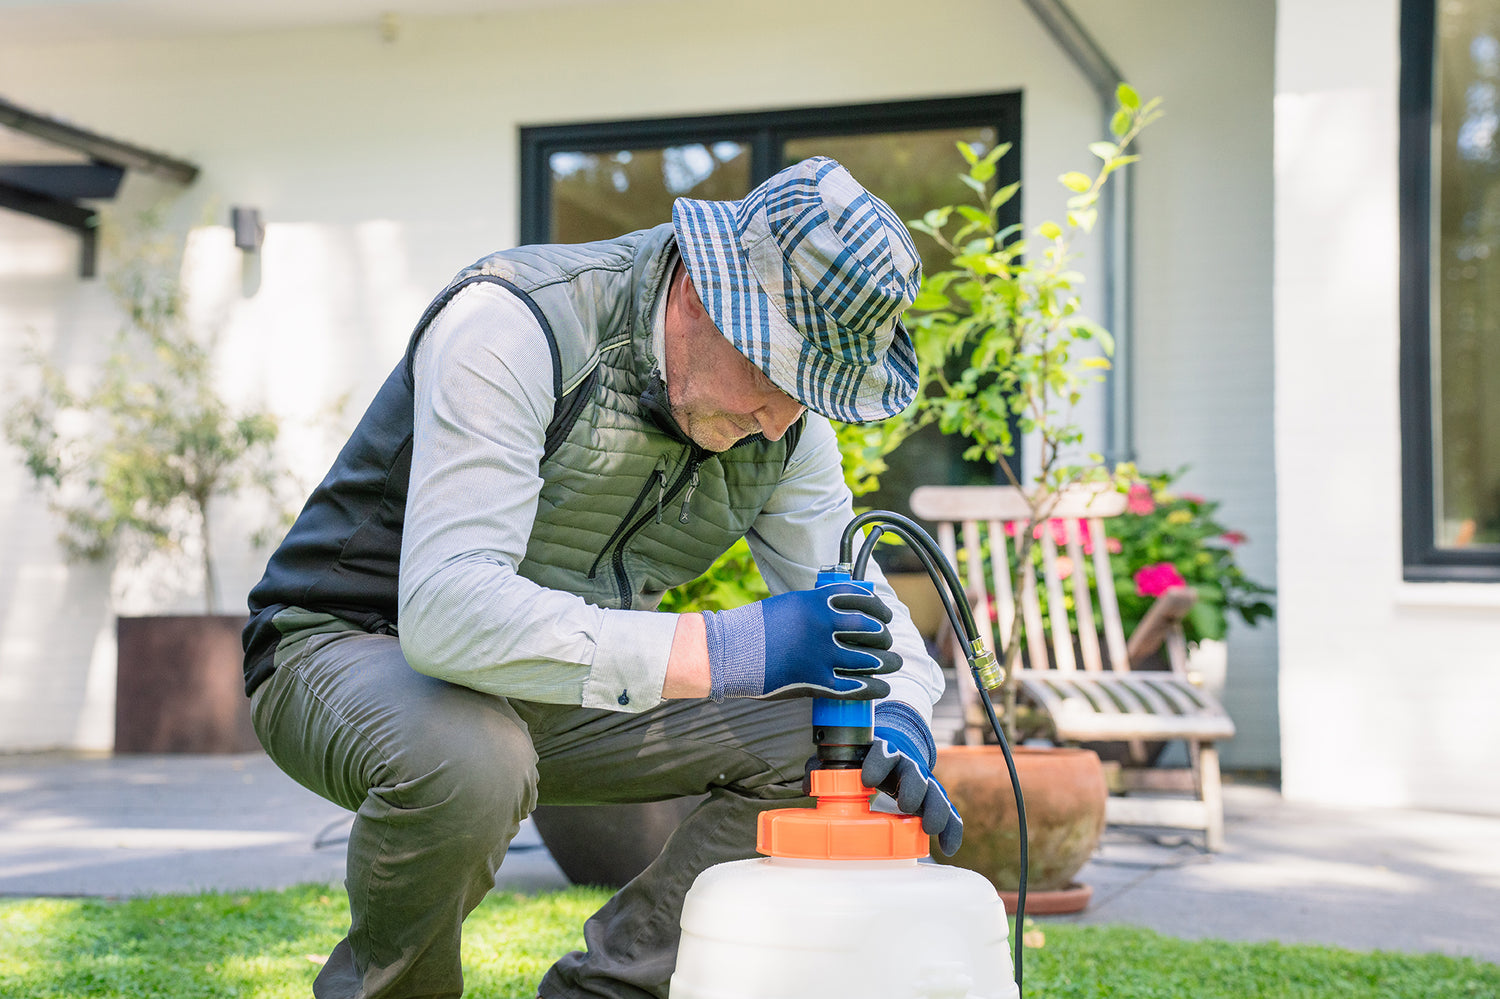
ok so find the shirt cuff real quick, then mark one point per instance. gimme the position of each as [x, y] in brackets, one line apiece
[630, 661]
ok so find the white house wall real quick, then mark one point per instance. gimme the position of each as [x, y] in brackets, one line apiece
[1387, 688]
[382, 167]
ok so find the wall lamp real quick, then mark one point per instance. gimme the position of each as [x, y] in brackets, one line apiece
[249, 230]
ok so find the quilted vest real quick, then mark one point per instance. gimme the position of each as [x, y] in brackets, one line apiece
[629, 507]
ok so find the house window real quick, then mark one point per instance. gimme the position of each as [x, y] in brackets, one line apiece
[1450, 288]
[594, 181]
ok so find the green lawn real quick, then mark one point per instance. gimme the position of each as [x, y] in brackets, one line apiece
[268, 944]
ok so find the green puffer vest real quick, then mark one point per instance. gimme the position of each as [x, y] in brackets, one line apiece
[629, 507]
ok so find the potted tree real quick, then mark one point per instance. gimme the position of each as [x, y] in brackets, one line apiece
[134, 459]
[1009, 306]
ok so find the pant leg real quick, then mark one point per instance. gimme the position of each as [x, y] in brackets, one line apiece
[749, 755]
[439, 778]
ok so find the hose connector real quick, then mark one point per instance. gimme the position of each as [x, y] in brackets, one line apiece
[985, 666]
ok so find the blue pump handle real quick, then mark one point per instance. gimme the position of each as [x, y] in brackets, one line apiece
[827, 712]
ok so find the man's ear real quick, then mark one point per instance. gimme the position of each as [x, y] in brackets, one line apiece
[682, 286]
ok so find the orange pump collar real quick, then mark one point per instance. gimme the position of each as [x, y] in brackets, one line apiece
[841, 827]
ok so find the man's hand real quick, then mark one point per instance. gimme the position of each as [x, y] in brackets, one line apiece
[827, 642]
[900, 763]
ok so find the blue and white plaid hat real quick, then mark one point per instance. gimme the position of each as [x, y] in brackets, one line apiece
[808, 276]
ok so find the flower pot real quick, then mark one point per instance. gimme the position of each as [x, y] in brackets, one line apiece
[1065, 796]
[180, 685]
[608, 844]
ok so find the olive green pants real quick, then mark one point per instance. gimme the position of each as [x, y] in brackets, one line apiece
[439, 778]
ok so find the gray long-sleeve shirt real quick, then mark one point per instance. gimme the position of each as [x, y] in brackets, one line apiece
[483, 400]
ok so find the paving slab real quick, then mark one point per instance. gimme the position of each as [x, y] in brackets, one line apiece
[1365, 879]
[141, 825]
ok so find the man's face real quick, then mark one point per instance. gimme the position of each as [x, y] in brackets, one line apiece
[718, 397]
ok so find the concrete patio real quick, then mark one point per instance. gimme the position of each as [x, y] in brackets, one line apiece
[1367, 879]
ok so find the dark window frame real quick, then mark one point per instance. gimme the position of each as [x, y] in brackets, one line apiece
[765, 132]
[1423, 559]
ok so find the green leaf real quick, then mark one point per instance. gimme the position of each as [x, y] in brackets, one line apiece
[976, 185]
[993, 156]
[974, 214]
[1104, 150]
[1076, 182]
[1117, 163]
[1083, 220]
[968, 230]
[1003, 195]
[1049, 230]
[982, 171]
[937, 218]
[1120, 123]
[1127, 96]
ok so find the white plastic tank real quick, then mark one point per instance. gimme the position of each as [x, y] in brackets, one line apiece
[850, 914]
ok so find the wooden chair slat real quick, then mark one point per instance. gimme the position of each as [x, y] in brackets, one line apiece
[1083, 602]
[968, 693]
[1057, 608]
[1109, 606]
[1031, 613]
[975, 581]
[959, 503]
[1146, 694]
[1005, 604]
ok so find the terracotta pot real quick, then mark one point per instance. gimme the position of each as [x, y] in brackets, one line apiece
[180, 685]
[1065, 796]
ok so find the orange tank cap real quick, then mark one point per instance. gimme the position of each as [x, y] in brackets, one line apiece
[841, 827]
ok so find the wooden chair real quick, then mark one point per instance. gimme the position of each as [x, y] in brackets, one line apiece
[1104, 701]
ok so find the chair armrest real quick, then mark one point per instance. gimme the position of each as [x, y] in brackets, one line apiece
[1161, 622]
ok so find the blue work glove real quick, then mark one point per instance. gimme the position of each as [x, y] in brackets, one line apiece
[900, 763]
[826, 642]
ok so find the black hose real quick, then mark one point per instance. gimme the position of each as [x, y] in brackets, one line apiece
[961, 617]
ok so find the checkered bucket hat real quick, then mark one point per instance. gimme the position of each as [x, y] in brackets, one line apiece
[808, 276]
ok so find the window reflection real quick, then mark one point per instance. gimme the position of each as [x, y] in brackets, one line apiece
[1466, 331]
[599, 195]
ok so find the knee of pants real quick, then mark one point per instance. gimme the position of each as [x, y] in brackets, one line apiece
[484, 778]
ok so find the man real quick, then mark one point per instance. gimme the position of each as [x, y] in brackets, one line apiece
[573, 431]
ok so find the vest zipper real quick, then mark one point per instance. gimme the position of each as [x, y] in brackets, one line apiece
[661, 486]
[658, 476]
[628, 529]
[687, 498]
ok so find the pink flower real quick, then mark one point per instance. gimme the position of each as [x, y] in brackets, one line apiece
[1059, 531]
[1114, 545]
[1154, 580]
[1234, 537]
[1192, 498]
[1139, 500]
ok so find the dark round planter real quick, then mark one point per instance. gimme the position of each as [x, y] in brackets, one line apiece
[608, 844]
[1065, 796]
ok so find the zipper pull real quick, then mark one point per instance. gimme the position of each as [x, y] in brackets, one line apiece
[661, 486]
[687, 498]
